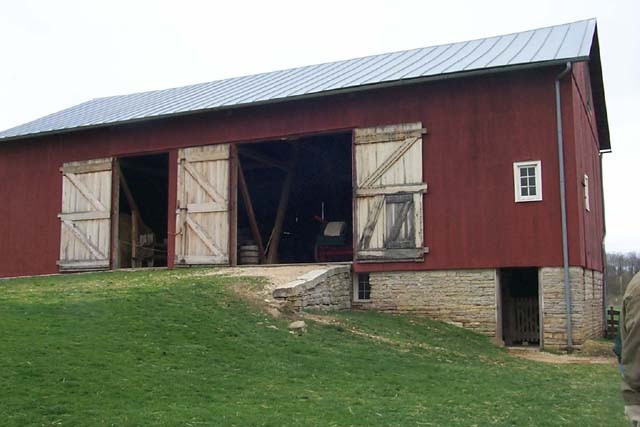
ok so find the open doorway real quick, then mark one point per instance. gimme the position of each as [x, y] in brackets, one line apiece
[142, 211]
[520, 306]
[295, 200]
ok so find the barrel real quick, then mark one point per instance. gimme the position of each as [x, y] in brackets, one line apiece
[249, 254]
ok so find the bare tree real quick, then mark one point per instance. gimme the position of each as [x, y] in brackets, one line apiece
[621, 267]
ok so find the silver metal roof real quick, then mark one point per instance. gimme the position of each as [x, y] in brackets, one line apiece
[559, 43]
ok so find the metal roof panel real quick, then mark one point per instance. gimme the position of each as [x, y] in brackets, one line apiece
[470, 52]
[507, 48]
[488, 48]
[573, 41]
[552, 44]
[562, 42]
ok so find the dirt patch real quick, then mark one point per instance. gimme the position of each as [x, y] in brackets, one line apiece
[331, 320]
[597, 348]
[560, 359]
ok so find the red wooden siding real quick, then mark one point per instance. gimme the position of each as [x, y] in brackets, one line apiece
[588, 225]
[477, 127]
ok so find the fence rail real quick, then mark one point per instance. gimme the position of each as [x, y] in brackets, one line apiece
[613, 322]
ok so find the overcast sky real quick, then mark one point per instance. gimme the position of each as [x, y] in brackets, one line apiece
[55, 54]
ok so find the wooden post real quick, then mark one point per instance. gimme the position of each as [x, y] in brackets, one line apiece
[182, 206]
[171, 208]
[272, 256]
[134, 238]
[234, 159]
[115, 216]
[136, 219]
[246, 198]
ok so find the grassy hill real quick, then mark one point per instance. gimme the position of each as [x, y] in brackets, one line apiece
[180, 348]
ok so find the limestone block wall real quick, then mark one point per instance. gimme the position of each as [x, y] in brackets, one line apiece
[586, 305]
[594, 324]
[466, 298]
[326, 289]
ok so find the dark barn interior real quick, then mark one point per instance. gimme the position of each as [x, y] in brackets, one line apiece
[142, 218]
[289, 193]
[520, 306]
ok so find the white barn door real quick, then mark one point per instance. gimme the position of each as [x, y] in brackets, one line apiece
[388, 193]
[202, 217]
[85, 217]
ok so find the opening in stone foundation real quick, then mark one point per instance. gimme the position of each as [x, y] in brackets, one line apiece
[520, 306]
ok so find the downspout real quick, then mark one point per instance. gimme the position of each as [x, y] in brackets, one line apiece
[563, 207]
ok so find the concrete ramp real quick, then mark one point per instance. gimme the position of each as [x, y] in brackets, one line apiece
[326, 288]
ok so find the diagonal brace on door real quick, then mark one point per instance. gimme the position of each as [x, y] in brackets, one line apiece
[389, 161]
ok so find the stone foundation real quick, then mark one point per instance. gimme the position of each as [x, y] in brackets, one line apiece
[325, 289]
[466, 298]
[586, 304]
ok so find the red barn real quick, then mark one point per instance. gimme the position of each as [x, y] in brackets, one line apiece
[463, 181]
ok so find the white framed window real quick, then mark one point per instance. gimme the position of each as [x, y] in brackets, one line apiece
[361, 287]
[585, 183]
[527, 181]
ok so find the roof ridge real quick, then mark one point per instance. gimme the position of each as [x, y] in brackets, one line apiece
[318, 64]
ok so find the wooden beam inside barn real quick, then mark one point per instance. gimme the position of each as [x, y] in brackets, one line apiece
[274, 240]
[264, 159]
[136, 219]
[253, 224]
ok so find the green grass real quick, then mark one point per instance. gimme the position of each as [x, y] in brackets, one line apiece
[179, 348]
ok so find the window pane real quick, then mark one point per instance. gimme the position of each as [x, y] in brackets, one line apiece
[523, 172]
[523, 182]
[532, 181]
[531, 171]
[532, 191]
[524, 191]
[364, 286]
